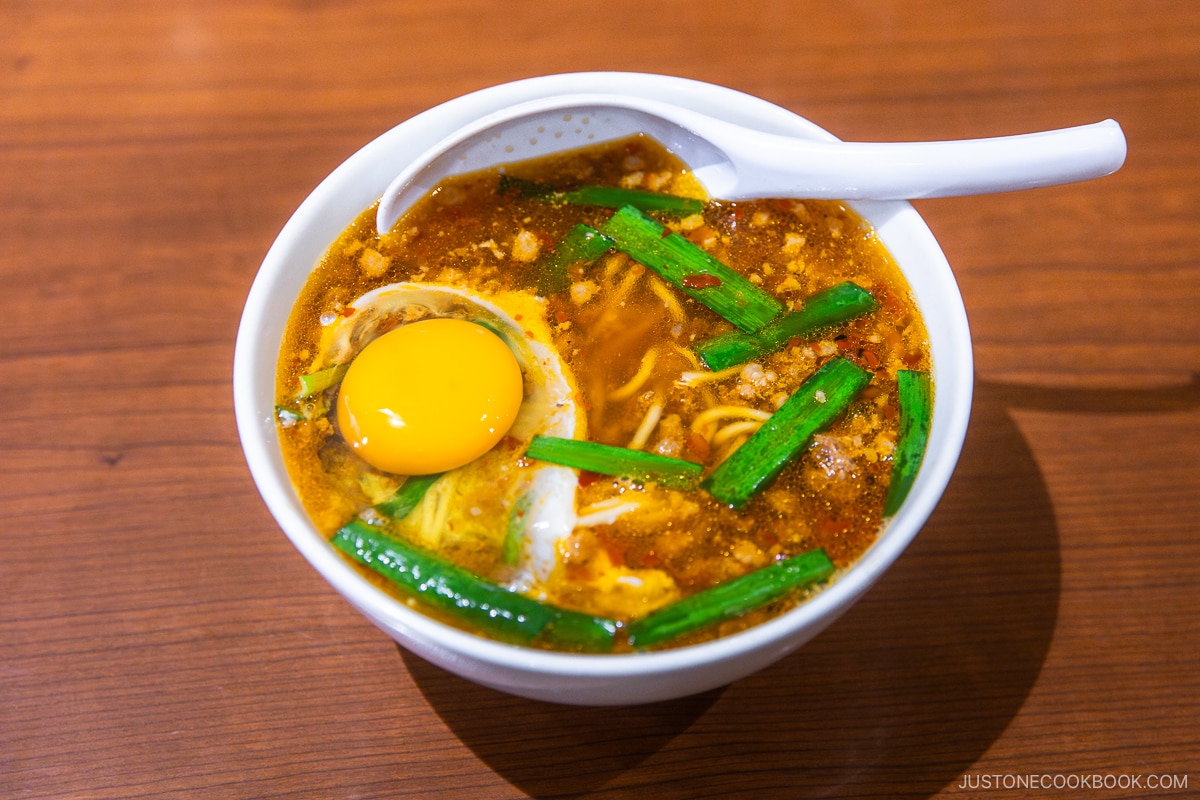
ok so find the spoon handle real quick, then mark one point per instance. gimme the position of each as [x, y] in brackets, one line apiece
[765, 165]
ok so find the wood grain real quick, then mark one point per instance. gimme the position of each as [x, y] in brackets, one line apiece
[158, 635]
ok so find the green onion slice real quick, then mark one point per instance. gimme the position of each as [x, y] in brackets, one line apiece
[319, 381]
[406, 498]
[731, 599]
[514, 531]
[603, 196]
[818, 402]
[620, 462]
[916, 414]
[583, 244]
[832, 306]
[463, 595]
[691, 269]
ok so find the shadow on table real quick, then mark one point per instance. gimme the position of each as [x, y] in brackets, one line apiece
[897, 699]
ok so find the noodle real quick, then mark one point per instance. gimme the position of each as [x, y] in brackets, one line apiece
[647, 427]
[636, 382]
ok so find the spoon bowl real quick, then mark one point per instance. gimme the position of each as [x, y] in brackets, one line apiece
[736, 162]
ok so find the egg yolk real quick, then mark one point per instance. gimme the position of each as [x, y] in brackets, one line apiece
[429, 396]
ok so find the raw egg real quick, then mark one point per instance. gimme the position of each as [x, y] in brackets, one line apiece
[429, 396]
[550, 406]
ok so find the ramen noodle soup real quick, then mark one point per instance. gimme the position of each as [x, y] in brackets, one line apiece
[574, 403]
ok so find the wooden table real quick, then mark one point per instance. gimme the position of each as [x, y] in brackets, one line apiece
[160, 637]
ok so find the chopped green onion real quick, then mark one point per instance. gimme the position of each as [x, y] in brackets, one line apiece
[319, 381]
[526, 189]
[465, 596]
[691, 269]
[916, 412]
[603, 196]
[823, 309]
[514, 532]
[819, 401]
[406, 498]
[617, 461]
[583, 244]
[615, 197]
[731, 599]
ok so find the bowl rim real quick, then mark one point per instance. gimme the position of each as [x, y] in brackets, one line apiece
[256, 427]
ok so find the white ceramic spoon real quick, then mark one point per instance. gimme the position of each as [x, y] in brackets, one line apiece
[734, 162]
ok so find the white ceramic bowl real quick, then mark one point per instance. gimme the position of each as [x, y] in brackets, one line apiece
[558, 677]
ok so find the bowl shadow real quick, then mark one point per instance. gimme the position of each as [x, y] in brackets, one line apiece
[897, 699]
